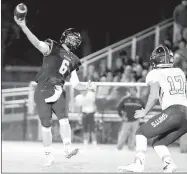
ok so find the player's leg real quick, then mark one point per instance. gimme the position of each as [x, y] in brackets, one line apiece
[86, 135]
[60, 109]
[157, 125]
[163, 152]
[45, 115]
[132, 136]
[123, 135]
[160, 124]
[160, 145]
[92, 128]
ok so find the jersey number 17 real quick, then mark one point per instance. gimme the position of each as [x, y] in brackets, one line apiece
[173, 83]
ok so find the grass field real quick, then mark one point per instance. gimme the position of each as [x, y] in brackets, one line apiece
[29, 157]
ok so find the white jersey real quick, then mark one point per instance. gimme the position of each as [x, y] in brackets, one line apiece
[172, 83]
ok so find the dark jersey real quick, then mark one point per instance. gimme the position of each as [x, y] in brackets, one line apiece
[57, 64]
[130, 105]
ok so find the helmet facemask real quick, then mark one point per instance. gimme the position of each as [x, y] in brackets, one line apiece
[161, 57]
[71, 39]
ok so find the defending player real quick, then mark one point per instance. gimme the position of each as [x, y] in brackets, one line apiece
[58, 63]
[169, 85]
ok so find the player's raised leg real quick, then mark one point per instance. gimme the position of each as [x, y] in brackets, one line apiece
[60, 109]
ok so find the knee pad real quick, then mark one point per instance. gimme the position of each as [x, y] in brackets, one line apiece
[45, 122]
[64, 121]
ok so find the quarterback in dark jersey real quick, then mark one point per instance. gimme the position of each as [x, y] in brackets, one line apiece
[58, 63]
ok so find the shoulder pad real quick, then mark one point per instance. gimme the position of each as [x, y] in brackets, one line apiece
[152, 76]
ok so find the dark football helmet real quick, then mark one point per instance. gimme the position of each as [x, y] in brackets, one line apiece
[161, 57]
[71, 38]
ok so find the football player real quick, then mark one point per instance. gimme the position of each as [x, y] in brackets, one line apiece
[59, 62]
[168, 84]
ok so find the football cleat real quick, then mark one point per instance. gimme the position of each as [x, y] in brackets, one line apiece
[134, 167]
[170, 168]
[69, 154]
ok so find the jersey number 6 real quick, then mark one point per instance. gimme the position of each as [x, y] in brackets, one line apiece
[64, 67]
[176, 90]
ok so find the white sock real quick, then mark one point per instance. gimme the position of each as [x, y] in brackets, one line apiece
[47, 139]
[163, 152]
[65, 132]
[141, 148]
[47, 150]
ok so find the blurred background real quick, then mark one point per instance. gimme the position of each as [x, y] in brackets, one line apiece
[118, 38]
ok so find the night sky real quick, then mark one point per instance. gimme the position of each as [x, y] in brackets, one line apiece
[120, 18]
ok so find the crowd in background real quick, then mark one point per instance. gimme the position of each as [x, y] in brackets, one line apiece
[124, 70]
[179, 42]
[127, 70]
[180, 22]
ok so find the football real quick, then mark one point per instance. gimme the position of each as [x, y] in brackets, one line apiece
[20, 11]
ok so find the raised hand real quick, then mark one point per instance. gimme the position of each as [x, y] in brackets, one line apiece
[20, 22]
